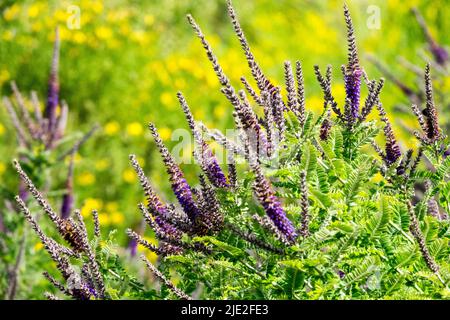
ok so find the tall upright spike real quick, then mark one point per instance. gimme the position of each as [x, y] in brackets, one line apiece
[53, 85]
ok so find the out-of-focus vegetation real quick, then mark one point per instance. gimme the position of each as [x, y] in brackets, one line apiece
[124, 64]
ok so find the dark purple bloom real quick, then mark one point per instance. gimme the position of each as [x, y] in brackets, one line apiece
[132, 245]
[352, 82]
[353, 71]
[53, 86]
[23, 191]
[439, 53]
[325, 127]
[392, 152]
[272, 205]
[156, 207]
[211, 167]
[180, 187]
[208, 160]
[392, 149]
[67, 202]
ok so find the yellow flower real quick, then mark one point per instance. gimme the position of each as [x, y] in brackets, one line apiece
[61, 15]
[38, 246]
[141, 161]
[314, 103]
[129, 176]
[79, 37]
[103, 33]
[2, 168]
[219, 111]
[4, 76]
[11, 12]
[76, 159]
[135, 129]
[104, 219]
[89, 205]
[168, 100]
[378, 177]
[34, 10]
[102, 164]
[111, 206]
[8, 35]
[112, 128]
[165, 133]
[36, 26]
[2, 129]
[149, 19]
[97, 7]
[117, 218]
[86, 179]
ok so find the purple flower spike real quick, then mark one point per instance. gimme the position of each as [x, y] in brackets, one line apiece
[353, 71]
[156, 207]
[67, 202]
[180, 186]
[352, 82]
[212, 169]
[272, 205]
[208, 161]
[439, 53]
[53, 86]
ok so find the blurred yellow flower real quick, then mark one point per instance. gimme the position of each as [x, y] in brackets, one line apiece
[135, 129]
[2, 129]
[168, 99]
[2, 168]
[141, 161]
[34, 10]
[76, 159]
[36, 26]
[219, 111]
[117, 218]
[111, 128]
[38, 246]
[4, 76]
[86, 179]
[103, 33]
[79, 37]
[8, 35]
[111, 206]
[104, 219]
[96, 6]
[314, 103]
[149, 254]
[377, 177]
[11, 12]
[89, 205]
[165, 133]
[149, 19]
[102, 164]
[129, 176]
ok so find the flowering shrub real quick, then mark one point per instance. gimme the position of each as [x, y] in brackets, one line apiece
[309, 207]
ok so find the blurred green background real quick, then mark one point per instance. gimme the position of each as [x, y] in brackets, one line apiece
[124, 65]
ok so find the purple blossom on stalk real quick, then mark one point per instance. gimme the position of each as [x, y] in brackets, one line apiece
[132, 246]
[353, 72]
[212, 169]
[440, 54]
[180, 186]
[53, 86]
[392, 150]
[271, 204]
[156, 207]
[67, 202]
[208, 161]
[428, 117]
